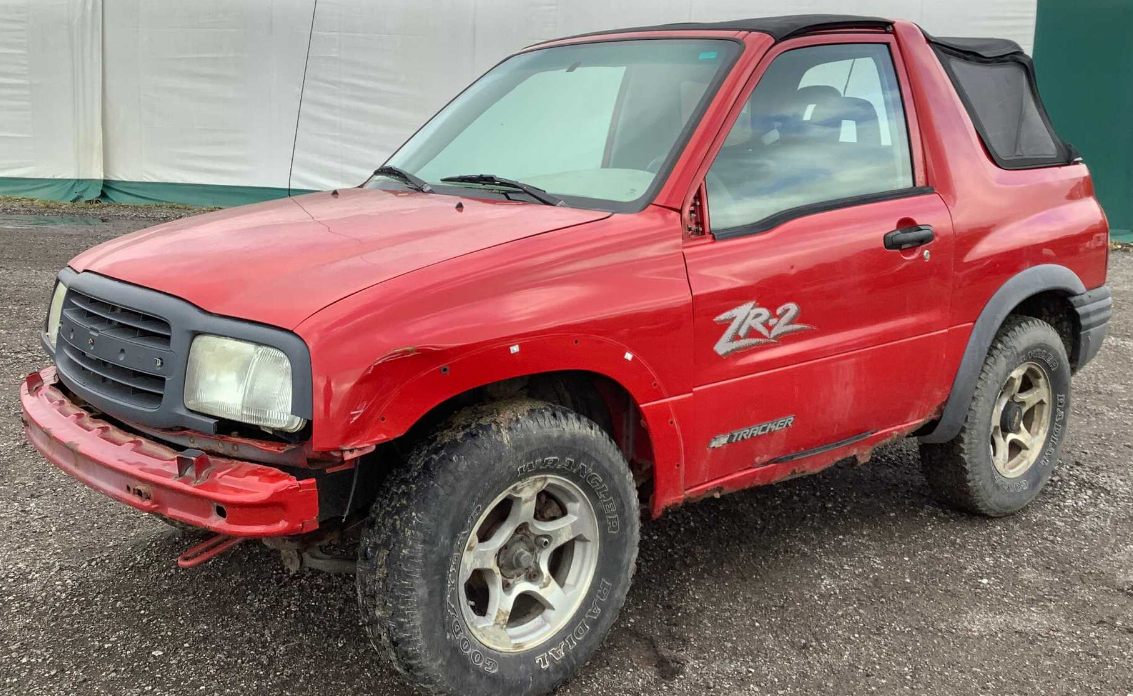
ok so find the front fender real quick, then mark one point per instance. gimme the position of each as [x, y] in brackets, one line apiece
[428, 376]
[610, 297]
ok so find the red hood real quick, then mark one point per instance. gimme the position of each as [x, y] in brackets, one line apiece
[280, 262]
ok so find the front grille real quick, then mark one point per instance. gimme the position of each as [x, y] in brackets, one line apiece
[112, 349]
[114, 320]
[122, 348]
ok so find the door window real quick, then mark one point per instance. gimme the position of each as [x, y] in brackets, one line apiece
[824, 123]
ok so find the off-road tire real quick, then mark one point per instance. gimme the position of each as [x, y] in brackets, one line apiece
[423, 518]
[961, 472]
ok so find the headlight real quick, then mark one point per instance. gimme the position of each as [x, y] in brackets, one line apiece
[54, 312]
[240, 381]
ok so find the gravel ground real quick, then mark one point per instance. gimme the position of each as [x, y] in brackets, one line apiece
[28, 212]
[852, 581]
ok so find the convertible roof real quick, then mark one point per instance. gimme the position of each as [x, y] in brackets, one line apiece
[984, 48]
[995, 80]
[779, 28]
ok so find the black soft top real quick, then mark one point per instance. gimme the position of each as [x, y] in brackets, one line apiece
[984, 48]
[995, 80]
[779, 28]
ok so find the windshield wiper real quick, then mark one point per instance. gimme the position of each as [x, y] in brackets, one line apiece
[414, 182]
[491, 179]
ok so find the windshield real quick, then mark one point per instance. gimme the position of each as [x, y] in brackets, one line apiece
[594, 124]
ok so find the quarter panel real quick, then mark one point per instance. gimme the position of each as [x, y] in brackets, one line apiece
[1020, 219]
[1004, 221]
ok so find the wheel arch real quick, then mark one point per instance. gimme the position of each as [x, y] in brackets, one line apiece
[593, 395]
[1043, 292]
[596, 378]
[404, 385]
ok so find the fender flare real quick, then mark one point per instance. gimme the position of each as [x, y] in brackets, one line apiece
[1021, 286]
[439, 377]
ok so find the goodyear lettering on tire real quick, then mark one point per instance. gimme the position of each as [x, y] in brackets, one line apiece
[456, 627]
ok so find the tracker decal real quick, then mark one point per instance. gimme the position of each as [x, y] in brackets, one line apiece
[752, 318]
[752, 431]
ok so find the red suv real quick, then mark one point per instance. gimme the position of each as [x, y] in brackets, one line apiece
[618, 272]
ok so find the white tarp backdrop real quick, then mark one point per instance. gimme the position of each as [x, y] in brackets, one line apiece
[51, 92]
[152, 92]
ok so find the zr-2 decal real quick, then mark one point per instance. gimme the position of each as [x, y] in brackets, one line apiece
[751, 431]
[749, 318]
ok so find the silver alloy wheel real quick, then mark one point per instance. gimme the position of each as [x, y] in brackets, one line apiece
[1020, 420]
[528, 563]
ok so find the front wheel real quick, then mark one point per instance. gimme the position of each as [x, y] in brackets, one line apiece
[497, 559]
[1013, 433]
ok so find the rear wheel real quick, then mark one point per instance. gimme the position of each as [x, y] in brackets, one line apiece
[498, 558]
[1012, 436]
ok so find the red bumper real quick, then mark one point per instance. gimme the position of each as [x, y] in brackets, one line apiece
[224, 495]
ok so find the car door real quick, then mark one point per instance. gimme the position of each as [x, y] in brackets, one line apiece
[821, 286]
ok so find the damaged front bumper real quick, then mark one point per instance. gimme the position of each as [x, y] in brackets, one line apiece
[227, 496]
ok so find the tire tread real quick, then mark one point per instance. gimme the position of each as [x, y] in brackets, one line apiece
[390, 615]
[951, 467]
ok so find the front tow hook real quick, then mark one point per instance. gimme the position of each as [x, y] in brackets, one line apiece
[207, 550]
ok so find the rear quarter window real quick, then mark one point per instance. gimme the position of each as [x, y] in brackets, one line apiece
[1003, 102]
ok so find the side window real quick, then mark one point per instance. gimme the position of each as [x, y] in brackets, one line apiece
[1001, 98]
[824, 123]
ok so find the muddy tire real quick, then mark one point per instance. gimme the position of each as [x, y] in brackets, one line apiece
[521, 511]
[1012, 435]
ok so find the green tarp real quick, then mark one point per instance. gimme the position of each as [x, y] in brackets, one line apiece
[190, 194]
[141, 192]
[67, 190]
[1085, 72]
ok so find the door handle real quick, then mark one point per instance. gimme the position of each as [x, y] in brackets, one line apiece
[909, 237]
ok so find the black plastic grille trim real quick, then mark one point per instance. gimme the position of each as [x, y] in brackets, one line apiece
[117, 321]
[122, 348]
[109, 321]
[119, 383]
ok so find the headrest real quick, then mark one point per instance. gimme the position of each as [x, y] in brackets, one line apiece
[795, 114]
[828, 117]
[814, 95]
